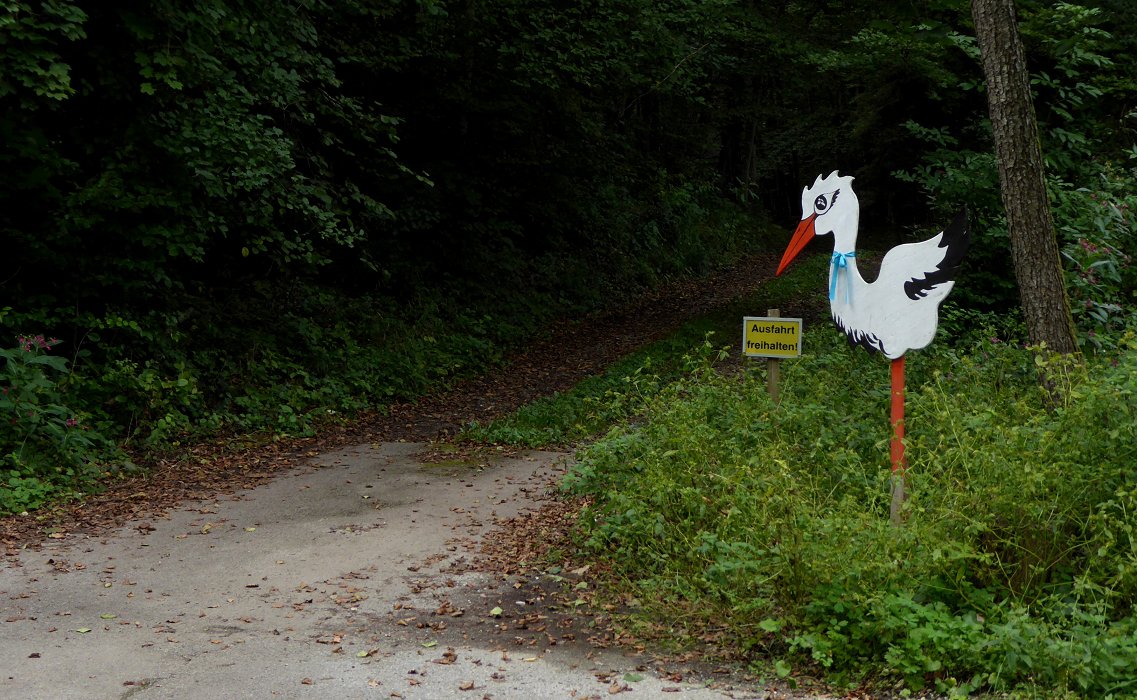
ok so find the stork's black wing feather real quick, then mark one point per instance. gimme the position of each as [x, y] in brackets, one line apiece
[956, 238]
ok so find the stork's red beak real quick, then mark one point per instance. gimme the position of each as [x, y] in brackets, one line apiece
[802, 236]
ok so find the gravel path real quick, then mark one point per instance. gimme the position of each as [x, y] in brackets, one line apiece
[373, 561]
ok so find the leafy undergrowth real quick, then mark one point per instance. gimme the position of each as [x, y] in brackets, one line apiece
[624, 388]
[569, 352]
[594, 403]
[1015, 569]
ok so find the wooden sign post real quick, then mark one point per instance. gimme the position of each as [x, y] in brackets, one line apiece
[774, 338]
[773, 366]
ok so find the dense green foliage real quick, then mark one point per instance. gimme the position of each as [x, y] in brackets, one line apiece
[243, 215]
[51, 448]
[1072, 50]
[247, 215]
[1016, 560]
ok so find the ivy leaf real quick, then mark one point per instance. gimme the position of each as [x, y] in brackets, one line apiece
[770, 625]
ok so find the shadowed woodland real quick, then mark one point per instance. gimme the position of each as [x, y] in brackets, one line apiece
[233, 217]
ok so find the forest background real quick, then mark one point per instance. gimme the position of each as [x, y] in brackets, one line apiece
[225, 217]
[243, 216]
[248, 215]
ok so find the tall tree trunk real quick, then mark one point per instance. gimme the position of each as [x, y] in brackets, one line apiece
[1034, 243]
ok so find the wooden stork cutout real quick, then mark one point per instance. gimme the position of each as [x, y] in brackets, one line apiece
[897, 312]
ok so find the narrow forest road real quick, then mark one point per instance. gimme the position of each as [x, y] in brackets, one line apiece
[347, 578]
[373, 563]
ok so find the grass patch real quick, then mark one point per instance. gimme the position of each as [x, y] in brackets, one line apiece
[622, 391]
[1015, 571]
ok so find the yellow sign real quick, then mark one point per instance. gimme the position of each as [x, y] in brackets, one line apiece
[764, 336]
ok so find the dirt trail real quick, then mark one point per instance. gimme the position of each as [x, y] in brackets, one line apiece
[349, 577]
[340, 568]
[568, 352]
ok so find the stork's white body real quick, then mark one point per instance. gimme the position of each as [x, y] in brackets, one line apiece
[899, 310]
[879, 314]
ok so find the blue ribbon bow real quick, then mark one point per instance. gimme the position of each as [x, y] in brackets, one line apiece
[841, 262]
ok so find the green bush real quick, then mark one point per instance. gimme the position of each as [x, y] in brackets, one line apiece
[1100, 232]
[47, 446]
[1016, 562]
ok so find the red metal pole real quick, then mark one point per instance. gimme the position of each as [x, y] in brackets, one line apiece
[899, 464]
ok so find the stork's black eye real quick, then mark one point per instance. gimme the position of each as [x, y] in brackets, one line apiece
[822, 203]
